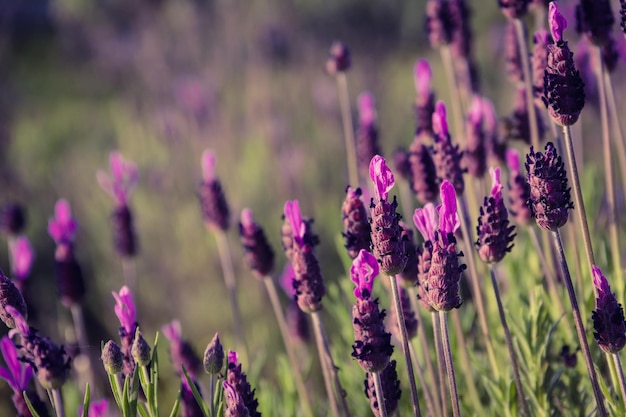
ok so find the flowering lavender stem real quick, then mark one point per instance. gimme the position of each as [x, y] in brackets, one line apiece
[323, 354]
[617, 127]
[509, 344]
[441, 364]
[476, 288]
[231, 286]
[608, 166]
[580, 328]
[378, 385]
[348, 129]
[57, 402]
[405, 343]
[291, 354]
[430, 405]
[530, 103]
[447, 352]
[620, 372]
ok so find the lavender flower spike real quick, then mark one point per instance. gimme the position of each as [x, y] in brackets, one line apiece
[440, 121]
[98, 408]
[22, 256]
[425, 220]
[422, 76]
[125, 309]
[608, 317]
[62, 227]
[181, 351]
[122, 181]
[382, 177]
[294, 217]
[519, 190]
[448, 215]
[362, 272]
[557, 22]
[10, 299]
[367, 111]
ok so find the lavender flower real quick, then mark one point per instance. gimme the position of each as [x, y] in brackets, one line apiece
[119, 185]
[48, 360]
[447, 157]
[18, 375]
[563, 92]
[338, 59]
[519, 190]
[594, 19]
[512, 55]
[10, 296]
[390, 386]
[213, 204]
[258, 252]
[423, 177]
[190, 406]
[608, 317]
[438, 23]
[622, 14]
[12, 219]
[22, 256]
[356, 228]
[297, 320]
[550, 197]
[539, 61]
[234, 405]
[126, 313]
[425, 219]
[388, 245]
[214, 356]
[474, 157]
[367, 132]
[239, 381]
[410, 321]
[424, 97]
[517, 125]
[181, 351]
[62, 227]
[98, 408]
[372, 347]
[495, 236]
[308, 283]
[141, 350]
[408, 276]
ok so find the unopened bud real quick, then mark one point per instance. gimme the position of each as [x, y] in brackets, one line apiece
[112, 358]
[214, 356]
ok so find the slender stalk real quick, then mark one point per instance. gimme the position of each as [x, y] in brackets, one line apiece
[430, 405]
[465, 363]
[57, 402]
[578, 198]
[303, 393]
[382, 407]
[509, 344]
[405, 344]
[421, 329]
[620, 372]
[476, 287]
[608, 166]
[406, 196]
[530, 102]
[455, 96]
[580, 328]
[10, 245]
[231, 286]
[129, 271]
[212, 394]
[321, 350]
[617, 127]
[81, 337]
[333, 369]
[441, 362]
[348, 128]
[447, 352]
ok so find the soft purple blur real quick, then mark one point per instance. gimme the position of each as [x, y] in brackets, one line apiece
[125, 309]
[17, 373]
[22, 256]
[62, 227]
[122, 180]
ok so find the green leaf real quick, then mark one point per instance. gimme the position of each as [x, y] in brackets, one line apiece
[176, 405]
[134, 392]
[86, 401]
[30, 405]
[143, 412]
[196, 394]
[116, 391]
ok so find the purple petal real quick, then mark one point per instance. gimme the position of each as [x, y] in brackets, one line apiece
[125, 308]
[22, 256]
[496, 189]
[173, 332]
[6, 375]
[422, 75]
[208, 166]
[556, 21]
[425, 220]
[286, 279]
[367, 111]
[20, 322]
[294, 217]
[448, 216]
[381, 176]
[233, 357]
[247, 220]
[62, 227]
[475, 113]
[362, 272]
[9, 353]
[600, 281]
[512, 160]
[440, 122]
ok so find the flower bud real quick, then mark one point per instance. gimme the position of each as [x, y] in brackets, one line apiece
[214, 356]
[112, 358]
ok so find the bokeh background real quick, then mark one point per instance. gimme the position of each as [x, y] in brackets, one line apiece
[160, 81]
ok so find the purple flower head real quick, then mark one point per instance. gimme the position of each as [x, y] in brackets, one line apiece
[96, 409]
[122, 180]
[208, 166]
[496, 189]
[382, 177]
[362, 272]
[247, 219]
[448, 216]
[62, 227]
[513, 161]
[440, 122]
[425, 220]
[286, 279]
[233, 357]
[557, 22]
[608, 317]
[125, 309]
[22, 256]
[367, 112]
[294, 217]
[600, 282]
[17, 373]
[173, 332]
[422, 75]
[475, 113]
[20, 322]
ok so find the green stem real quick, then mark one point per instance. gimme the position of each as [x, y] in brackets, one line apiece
[57, 402]
[447, 352]
[509, 344]
[348, 128]
[321, 350]
[303, 393]
[212, 394]
[465, 362]
[441, 362]
[382, 407]
[580, 328]
[405, 344]
[530, 102]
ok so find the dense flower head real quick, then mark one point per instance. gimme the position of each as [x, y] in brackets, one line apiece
[356, 228]
[297, 320]
[258, 252]
[10, 297]
[126, 313]
[372, 343]
[474, 156]
[214, 356]
[519, 190]
[608, 316]
[234, 405]
[181, 351]
[112, 358]
[338, 58]
[461, 35]
[563, 93]
[512, 54]
[539, 61]
[62, 227]
[367, 132]
[12, 218]
[594, 19]
[514, 9]
[408, 277]
[438, 23]
[390, 387]
[494, 233]
[550, 198]
[215, 210]
[122, 180]
[447, 157]
[425, 220]
[69, 275]
[424, 96]
[239, 381]
[423, 174]
[124, 237]
[362, 272]
[622, 14]
[401, 163]
[22, 256]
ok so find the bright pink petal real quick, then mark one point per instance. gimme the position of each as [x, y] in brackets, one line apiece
[247, 220]
[600, 281]
[448, 217]
[362, 272]
[6, 375]
[173, 332]
[425, 219]
[22, 255]
[233, 357]
[496, 189]
[512, 160]
[286, 279]
[20, 321]
[381, 176]
[475, 113]
[422, 75]
[367, 111]
[125, 308]
[294, 217]
[116, 163]
[556, 21]
[208, 166]
[9, 353]
[440, 121]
